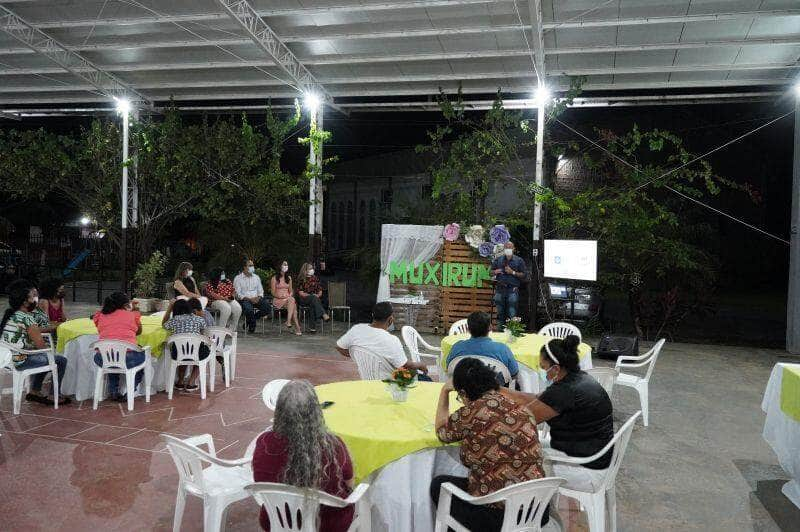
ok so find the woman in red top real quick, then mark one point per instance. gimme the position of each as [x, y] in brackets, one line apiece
[120, 320]
[51, 300]
[222, 298]
[300, 451]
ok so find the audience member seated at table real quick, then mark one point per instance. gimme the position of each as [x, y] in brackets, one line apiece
[197, 308]
[251, 295]
[577, 409]
[309, 291]
[119, 319]
[222, 296]
[18, 327]
[51, 301]
[185, 285]
[281, 288]
[499, 443]
[300, 451]
[375, 338]
[480, 324]
[181, 319]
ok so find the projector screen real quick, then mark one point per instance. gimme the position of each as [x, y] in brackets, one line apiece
[570, 259]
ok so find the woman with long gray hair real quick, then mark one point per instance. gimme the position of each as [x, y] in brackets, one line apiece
[299, 451]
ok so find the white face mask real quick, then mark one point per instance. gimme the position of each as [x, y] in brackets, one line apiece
[311, 271]
[509, 252]
[222, 276]
[251, 269]
[284, 268]
[189, 273]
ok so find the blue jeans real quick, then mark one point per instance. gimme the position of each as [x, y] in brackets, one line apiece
[264, 306]
[505, 300]
[132, 358]
[39, 360]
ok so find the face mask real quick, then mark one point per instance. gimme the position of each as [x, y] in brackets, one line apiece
[222, 277]
[509, 252]
[546, 376]
[251, 269]
[189, 273]
[311, 271]
[32, 305]
[284, 268]
[60, 294]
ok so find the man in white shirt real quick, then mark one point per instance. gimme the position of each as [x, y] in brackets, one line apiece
[375, 338]
[250, 294]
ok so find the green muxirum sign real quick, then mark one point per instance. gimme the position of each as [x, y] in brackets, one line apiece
[439, 273]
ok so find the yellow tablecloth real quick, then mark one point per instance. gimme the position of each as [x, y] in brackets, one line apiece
[153, 334]
[790, 392]
[526, 348]
[376, 429]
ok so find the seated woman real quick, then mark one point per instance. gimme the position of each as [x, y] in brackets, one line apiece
[185, 285]
[222, 297]
[119, 319]
[300, 451]
[499, 443]
[577, 409]
[51, 301]
[309, 291]
[18, 327]
[181, 319]
[281, 287]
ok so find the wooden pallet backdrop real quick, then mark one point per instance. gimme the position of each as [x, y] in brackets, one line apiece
[458, 302]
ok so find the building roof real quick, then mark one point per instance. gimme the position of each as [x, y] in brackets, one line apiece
[388, 52]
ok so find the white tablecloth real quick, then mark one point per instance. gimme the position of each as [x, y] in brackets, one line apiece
[531, 382]
[782, 433]
[400, 492]
[81, 370]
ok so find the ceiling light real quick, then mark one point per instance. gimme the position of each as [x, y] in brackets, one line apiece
[541, 96]
[123, 105]
[311, 102]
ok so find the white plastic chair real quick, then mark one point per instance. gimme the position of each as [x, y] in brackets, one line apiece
[459, 327]
[605, 376]
[560, 330]
[188, 348]
[595, 501]
[19, 378]
[496, 365]
[291, 508]
[640, 384]
[524, 503]
[113, 354]
[269, 394]
[219, 337]
[219, 484]
[413, 339]
[371, 366]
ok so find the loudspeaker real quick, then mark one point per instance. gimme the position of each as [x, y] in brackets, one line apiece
[611, 346]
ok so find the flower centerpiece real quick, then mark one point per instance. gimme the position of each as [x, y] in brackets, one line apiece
[514, 329]
[399, 383]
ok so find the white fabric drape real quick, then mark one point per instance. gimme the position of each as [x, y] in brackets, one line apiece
[412, 243]
[782, 433]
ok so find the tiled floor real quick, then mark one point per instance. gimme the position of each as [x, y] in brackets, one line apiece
[701, 465]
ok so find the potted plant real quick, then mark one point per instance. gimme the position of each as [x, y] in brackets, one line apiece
[514, 329]
[147, 273]
[401, 380]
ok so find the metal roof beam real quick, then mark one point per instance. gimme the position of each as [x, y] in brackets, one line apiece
[601, 49]
[69, 60]
[10, 116]
[537, 41]
[709, 17]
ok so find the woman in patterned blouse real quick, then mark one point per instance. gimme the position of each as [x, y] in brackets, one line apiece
[309, 291]
[499, 443]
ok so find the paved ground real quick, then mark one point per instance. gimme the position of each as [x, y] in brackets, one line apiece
[700, 465]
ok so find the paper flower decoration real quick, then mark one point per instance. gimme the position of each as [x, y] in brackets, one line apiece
[474, 236]
[498, 250]
[451, 231]
[499, 234]
[485, 249]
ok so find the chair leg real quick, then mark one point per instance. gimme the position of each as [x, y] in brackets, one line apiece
[54, 370]
[233, 364]
[98, 388]
[148, 378]
[227, 370]
[596, 512]
[203, 368]
[130, 387]
[212, 369]
[212, 515]
[18, 383]
[180, 504]
[611, 508]
[644, 401]
[170, 378]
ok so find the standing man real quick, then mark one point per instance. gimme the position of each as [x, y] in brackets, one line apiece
[251, 295]
[509, 271]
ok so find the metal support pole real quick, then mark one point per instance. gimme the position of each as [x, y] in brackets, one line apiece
[124, 203]
[793, 299]
[315, 193]
[535, 290]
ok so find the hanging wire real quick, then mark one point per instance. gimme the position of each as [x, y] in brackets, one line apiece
[539, 79]
[580, 15]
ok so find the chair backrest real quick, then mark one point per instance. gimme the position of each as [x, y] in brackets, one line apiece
[219, 335]
[620, 441]
[269, 394]
[496, 365]
[526, 502]
[337, 294]
[189, 460]
[459, 327]
[561, 330]
[653, 354]
[291, 508]
[370, 365]
[5, 356]
[411, 339]
[114, 352]
[605, 376]
[187, 345]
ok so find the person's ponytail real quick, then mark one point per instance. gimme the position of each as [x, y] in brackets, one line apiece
[566, 351]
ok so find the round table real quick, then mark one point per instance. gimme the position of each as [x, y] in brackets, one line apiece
[75, 338]
[781, 403]
[526, 350]
[394, 448]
